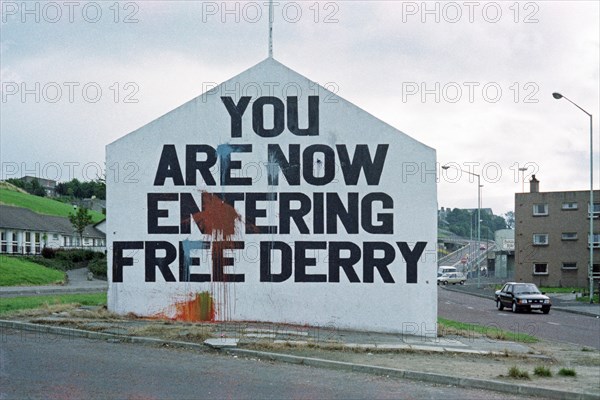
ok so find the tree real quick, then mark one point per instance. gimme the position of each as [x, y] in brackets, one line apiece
[80, 219]
[509, 216]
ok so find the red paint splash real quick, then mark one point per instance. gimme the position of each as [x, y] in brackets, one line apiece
[217, 218]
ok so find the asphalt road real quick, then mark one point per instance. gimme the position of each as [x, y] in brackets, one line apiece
[560, 326]
[59, 367]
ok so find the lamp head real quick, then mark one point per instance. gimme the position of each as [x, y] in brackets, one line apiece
[557, 95]
[445, 167]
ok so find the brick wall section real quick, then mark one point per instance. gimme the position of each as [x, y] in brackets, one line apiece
[557, 251]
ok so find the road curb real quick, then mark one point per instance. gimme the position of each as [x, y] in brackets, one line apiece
[50, 292]
[472, 383]
[316, 362]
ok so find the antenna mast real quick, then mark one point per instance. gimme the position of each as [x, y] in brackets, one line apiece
[270, 28]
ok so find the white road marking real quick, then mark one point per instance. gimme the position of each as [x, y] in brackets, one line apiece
[552, 323]
[470, 308]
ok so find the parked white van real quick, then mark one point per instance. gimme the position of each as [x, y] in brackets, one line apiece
[443, 269]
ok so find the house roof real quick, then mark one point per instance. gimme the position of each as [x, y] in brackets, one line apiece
[25, 219]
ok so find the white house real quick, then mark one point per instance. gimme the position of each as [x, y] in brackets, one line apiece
[270, 198]
[23, 231]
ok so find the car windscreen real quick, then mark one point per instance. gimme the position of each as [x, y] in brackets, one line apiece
[526, 289]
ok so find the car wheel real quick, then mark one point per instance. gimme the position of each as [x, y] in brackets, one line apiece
[445, 282]
[545, 310]
[462, 282]
[499, 305]
[514, 307]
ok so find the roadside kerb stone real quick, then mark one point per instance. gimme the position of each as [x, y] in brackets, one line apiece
[50, 292]
[441, 379]
[317, 362]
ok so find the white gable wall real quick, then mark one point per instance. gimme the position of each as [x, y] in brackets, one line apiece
[392, 307]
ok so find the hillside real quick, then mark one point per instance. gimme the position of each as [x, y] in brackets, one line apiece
[41, 205]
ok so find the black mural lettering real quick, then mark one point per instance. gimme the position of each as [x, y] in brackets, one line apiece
[227, 164]
[118, 261]
[286, 213]
[278, 162]
[266, 262]
[192, 165]
[361, 161]
[313, 116]
[336, 261]
[186, 261]
[258, 123]
[319, 170]
[301, 261]
[236, 112]
[370, 262]
[219, 261]
[168, 167]
[163, 263]
[386, 220]
[252, 212]
[154, 213]
[347, 216]
[411, 257]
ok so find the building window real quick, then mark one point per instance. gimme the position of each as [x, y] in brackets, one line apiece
[569, 205]
[540, 239]
[569, 265]
[595, 240]
[596, 210]
[540, 269]
[569, 236]
[55, 236]
[3, 246]
[540, 209]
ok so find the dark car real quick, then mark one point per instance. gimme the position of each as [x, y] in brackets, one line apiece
[522, 297]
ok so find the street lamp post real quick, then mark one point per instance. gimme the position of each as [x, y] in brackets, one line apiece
[523, 169]
[445, 167]
[591, 215]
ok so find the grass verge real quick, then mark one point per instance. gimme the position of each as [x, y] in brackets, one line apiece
[449, 327]
[515, 372]
[41, 205]
[8, 305]
[567, 372]
[16, 271]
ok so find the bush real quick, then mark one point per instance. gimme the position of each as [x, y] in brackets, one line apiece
[76, 255]
[48, 252]
[542, 371]
[98, 267]
[515, 372]
[54, 263]
[567, 372]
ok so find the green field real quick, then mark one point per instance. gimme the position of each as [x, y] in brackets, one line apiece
[41, 205]
[15, 271]
[11, 304]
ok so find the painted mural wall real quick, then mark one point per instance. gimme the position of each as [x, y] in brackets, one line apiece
[270, 198]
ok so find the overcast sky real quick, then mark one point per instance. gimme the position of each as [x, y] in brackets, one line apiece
[474, 80]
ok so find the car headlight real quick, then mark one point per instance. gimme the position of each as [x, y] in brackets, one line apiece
[547, 301]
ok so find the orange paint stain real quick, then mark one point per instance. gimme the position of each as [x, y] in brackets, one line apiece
[199, 309]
